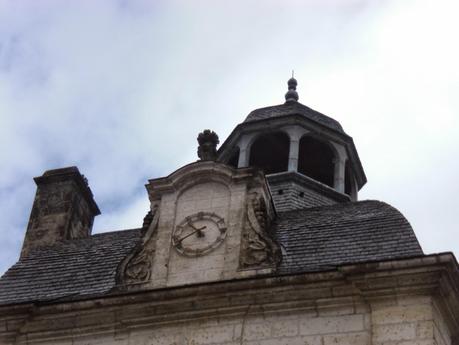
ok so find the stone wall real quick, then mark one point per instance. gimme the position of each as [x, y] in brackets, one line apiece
[206, 197]
[328, 327]
[441, 333]
[292, 191]
[290, 196]
[410, 320]
[406, 320]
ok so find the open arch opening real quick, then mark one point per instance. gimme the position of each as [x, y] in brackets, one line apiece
[269, 152]
[316, 160]
[234, 158]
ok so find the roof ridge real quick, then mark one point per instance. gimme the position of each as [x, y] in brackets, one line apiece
[114, 232]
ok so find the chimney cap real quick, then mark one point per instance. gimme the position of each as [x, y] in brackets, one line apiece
[66, 174]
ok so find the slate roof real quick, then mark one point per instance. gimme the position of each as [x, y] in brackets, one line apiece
[71, 269]
[313, 239]
[322, 238]
[291, 108]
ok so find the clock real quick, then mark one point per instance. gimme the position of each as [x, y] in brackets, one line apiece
[199, 234]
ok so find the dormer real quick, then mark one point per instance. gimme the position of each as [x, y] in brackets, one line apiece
[307, 157]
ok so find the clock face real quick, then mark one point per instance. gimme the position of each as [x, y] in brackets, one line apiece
[199, 234]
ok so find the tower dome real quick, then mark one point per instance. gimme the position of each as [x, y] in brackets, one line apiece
[306, 155]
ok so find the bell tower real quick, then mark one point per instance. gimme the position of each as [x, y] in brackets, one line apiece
[306, 156]
[212, 219]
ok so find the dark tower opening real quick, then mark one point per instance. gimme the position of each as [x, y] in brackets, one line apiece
[234, 159]
[269, 152]
[347, 179]
[315, 160]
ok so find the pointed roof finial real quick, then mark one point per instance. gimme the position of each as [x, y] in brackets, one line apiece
[291, 95]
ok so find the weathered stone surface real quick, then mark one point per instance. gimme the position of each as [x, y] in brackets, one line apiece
[202, 211]
[258, 248]
[360, 338]
[399, 314]
[63, 209]
[332, 324]
[273, 311]
[394, 332]
[410, 320]
[208, 141]
[293, 191]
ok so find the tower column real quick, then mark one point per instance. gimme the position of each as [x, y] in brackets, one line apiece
[295, 133]
[244, 151]
[340, 165]
[354, 190]
[243, 161]
[293, 154]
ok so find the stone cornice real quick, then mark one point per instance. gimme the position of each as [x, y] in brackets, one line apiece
[194, 172]
[435, 275]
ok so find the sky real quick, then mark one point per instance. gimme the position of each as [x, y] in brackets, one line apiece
[122, 88]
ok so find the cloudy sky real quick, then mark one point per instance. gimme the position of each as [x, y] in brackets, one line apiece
[121, 89]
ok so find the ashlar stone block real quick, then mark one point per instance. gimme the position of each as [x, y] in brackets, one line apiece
[332, 324]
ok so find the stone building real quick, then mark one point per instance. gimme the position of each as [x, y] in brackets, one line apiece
[261, 242]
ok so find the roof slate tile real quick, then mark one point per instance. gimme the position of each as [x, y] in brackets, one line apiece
[291, 108]
[313, 239]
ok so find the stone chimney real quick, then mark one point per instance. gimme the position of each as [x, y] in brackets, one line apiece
[63, 209]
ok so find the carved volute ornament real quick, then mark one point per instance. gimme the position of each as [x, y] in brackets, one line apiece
[207, 149]
[258, 248]
[136, 267]
[147, 221]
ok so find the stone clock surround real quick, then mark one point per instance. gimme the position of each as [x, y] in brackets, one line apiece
[203, 186]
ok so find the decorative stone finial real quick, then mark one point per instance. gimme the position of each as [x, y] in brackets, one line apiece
[208, 141]
[291, 95]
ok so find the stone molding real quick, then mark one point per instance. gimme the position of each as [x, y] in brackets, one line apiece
[201, 171]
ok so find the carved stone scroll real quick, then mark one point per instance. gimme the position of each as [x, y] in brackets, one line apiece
[258, 249]
[136, 267]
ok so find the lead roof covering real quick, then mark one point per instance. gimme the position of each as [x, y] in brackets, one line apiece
[292, 108]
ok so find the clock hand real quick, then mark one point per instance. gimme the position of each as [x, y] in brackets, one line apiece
[199, 231]
[192, 226]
